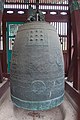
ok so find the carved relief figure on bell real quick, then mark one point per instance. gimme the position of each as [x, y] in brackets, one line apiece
[37, 68]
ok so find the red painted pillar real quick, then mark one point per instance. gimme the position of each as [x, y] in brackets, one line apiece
[75, 19]
[1, 13]
[4, 46]
[1, 76]
[69, 44]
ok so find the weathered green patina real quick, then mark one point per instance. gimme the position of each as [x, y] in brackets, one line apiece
[37, 105]
[37, 68]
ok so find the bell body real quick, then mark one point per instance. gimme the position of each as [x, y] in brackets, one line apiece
[37, 69]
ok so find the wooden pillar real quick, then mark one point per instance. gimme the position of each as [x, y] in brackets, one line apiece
[75, 19]
[1, 76]
[4, 46]
[1, 12]
[69, 43]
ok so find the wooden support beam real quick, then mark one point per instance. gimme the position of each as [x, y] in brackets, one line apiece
[1, 76]
[68, 42]
[1, 10]
[75, 18]
[56, 18]
[74, 94]
[70, 71]
[76, 40]
[4, 87]
[4, 46]
[11, 17]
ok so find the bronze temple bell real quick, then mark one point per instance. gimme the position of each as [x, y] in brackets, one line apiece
[37, 69]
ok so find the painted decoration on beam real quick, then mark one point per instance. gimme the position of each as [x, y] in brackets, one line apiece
[75, 5]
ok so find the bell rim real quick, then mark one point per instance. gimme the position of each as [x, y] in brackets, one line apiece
[37, 105]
